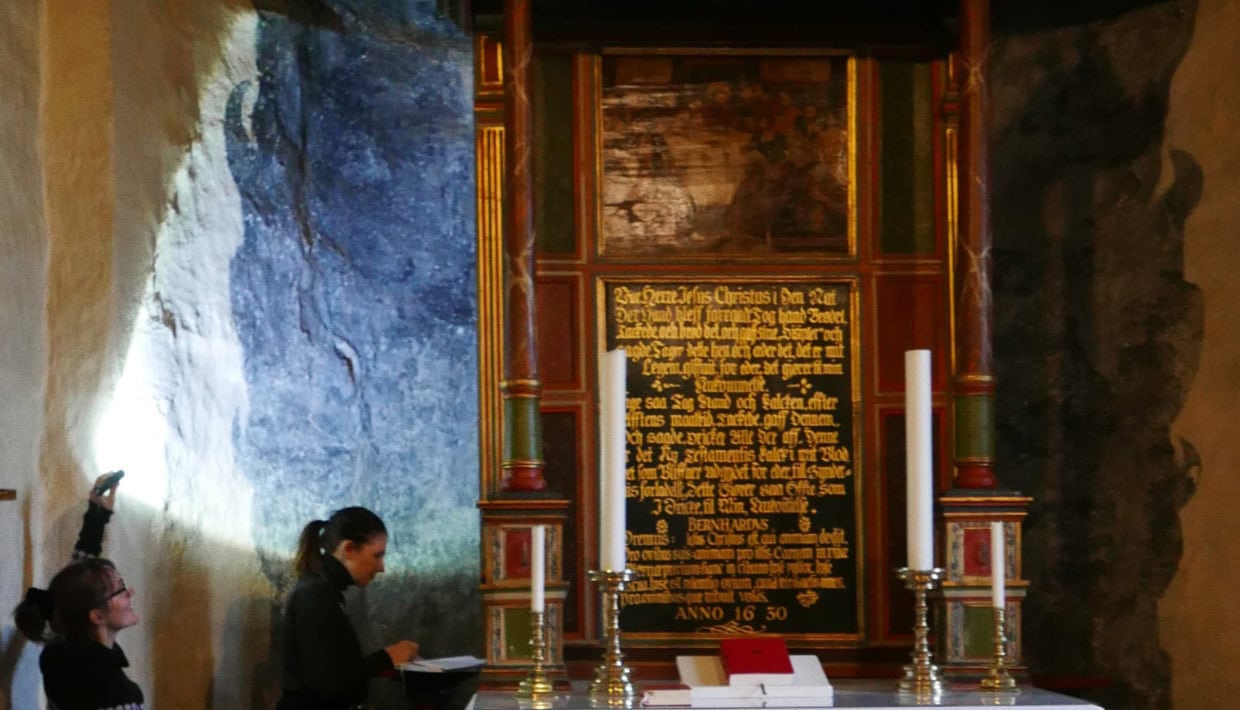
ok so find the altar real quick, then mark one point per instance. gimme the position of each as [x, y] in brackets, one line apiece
[736, 343]
[878, 694]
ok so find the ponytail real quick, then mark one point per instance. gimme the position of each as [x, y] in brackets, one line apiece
[309, 559]
[321, 537]
[34, 614]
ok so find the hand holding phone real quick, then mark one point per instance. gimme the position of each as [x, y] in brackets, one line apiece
[105, 483]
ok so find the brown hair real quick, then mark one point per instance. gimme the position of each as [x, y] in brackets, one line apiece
[65, 607]
[321, 537]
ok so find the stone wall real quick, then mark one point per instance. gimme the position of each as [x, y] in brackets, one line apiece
[238, 260]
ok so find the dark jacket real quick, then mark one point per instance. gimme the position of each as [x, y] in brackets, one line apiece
[83, 674]
[86, 675]
[324, 668]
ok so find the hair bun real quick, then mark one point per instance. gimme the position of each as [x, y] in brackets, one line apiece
[42, 599]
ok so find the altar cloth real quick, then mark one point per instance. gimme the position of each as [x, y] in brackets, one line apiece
[872, 694]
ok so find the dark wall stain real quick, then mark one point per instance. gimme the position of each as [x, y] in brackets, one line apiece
[1097, 335]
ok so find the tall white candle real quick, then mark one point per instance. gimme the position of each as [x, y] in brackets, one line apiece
[918, 443]
[611, 460]
[538, 566]
[998, 566]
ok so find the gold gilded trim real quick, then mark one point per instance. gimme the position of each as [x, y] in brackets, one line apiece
[489, 147]
[852, 157]
[953, 230]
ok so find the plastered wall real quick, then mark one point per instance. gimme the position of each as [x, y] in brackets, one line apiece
[1198, 612]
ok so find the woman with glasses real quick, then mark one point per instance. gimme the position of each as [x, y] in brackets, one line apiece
[77, 618]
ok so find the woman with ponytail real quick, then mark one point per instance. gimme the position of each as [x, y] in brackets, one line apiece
[77, 618]
[324, 667]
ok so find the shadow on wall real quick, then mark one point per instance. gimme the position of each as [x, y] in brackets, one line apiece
[1097, 337]
[181, 609]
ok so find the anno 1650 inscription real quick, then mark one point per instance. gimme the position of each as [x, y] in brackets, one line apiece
[741, 486]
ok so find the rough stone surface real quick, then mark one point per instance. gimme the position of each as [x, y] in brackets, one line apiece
[354, 300]
[1097, 334]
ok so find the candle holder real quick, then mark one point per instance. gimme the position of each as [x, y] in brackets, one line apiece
[612, 684]
[536, 686]
[921, 677]
[999, 679]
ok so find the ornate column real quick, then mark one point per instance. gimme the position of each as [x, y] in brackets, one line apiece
[974, 373]
[967, 619]
[517, 499]
[522, 462]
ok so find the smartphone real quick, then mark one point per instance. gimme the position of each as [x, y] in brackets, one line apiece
[109, 482]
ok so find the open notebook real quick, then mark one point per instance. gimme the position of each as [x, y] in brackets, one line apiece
[444, 665]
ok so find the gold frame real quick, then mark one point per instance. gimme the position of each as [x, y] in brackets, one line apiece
[597, 238]
[855, 337]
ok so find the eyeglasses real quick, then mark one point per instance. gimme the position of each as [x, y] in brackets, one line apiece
[117, 593]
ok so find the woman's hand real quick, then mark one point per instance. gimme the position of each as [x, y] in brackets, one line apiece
[108, 498]
[402, 652]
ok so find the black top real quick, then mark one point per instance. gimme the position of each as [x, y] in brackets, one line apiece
[324, 668]
[90, 537]
[83, 674]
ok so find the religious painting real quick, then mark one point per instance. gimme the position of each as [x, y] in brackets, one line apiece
[727, 155]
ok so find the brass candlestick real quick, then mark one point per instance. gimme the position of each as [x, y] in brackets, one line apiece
[612, 684]
[536, 685]
[921, 678]
[999, 679]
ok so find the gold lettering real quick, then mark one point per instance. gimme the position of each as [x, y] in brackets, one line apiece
[739, 429]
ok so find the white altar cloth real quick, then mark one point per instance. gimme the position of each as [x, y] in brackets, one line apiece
[876, 695]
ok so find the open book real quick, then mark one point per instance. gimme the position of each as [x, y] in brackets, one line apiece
[444, 665]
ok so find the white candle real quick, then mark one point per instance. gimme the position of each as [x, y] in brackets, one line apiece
[918, 443]
[998, 566]
[538, 566]
[611, 460]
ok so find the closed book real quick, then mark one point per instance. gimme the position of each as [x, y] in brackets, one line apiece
[760, 660]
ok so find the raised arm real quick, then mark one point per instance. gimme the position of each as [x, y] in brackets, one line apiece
[98, 513]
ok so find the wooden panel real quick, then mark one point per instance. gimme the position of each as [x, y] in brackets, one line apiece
[561, 462]
[910, 314]
[488, 65]
[907, 163]
[554, 231]
[899, 618]
[559, 331]
[517, 554]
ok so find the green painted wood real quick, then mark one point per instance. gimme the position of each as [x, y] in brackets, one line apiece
[975, 426]
[906, 163]
[553, 155]
[522, 429]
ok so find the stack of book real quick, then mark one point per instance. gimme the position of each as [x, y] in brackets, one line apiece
[748, 672]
